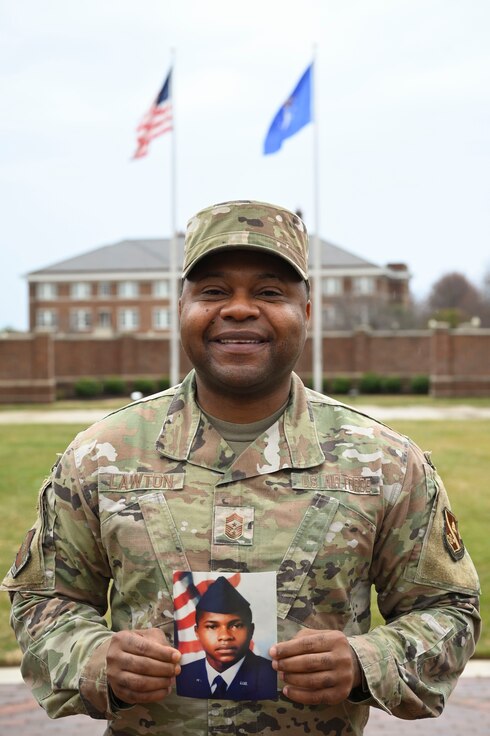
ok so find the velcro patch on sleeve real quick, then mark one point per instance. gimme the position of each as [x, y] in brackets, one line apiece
[452, 538]
[443, 561]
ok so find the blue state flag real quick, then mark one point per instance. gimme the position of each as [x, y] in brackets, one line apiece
[292, 115]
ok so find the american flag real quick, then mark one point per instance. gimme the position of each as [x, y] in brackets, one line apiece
[188, 589]
[158, 119]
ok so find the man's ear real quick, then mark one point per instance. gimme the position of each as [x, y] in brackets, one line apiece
[308, 310]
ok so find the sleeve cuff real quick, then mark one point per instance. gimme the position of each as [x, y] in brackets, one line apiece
[360, 694]
[380, 678]
[93, 683]
[115, 702]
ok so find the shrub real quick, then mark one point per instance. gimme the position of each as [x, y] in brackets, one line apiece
[88, 388]
[420, 384]
[307, 380]
[115, 386]
[163, 383]
[370, 383]
[147, 386]
[325, 385]
[341, 385]
[391, 384]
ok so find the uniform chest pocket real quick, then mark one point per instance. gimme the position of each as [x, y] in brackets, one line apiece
[323, 579]
[140, 532]
[303, 550]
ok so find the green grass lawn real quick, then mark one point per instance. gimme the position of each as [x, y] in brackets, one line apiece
[27, 453]
[365, 399]
[115, 402]
[460, 452]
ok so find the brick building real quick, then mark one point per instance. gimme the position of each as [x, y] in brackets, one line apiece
[125, 288]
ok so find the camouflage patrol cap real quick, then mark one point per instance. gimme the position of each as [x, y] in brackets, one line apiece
[248, 225]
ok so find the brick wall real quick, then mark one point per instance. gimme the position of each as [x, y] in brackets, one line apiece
[27, 369]
[460, 361]
[34, 366]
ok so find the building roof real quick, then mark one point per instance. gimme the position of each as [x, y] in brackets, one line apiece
[152, 254]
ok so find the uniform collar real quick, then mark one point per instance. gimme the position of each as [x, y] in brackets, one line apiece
[291, 442]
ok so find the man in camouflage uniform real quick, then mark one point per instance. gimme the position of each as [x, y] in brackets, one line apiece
[240, 468]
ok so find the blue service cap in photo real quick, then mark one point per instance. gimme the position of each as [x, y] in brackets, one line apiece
[222, 597]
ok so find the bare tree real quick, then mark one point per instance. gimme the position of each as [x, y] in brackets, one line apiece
[455, 296]
[485, 311]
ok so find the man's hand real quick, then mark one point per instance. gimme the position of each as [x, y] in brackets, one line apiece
[317, 667]
[141, 666]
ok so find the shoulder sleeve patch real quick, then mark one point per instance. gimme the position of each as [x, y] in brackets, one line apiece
[23, 555]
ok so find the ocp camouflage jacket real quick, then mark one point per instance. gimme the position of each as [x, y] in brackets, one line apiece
[336, 503]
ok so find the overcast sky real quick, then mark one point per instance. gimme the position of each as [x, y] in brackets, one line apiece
[403, 115]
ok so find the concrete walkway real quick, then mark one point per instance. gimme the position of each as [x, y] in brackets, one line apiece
[383, 413]
[467, 712]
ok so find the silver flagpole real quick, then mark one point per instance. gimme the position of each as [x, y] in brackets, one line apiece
[173, 264]
[317, 254]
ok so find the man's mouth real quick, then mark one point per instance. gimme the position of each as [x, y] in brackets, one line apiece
[238, 342]
[239, 338]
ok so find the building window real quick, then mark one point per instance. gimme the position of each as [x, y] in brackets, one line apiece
[46, 319]
[104, 320]
[104, 288]
[364, 285]
[80, 320]
[46, 291]
[80, 290]
[161, 319]
[329, 316]
[128, 289]
[332, 286]
[161, 289]
[128, 319]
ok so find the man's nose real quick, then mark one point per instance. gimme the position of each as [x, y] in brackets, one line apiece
[225, 633]
[240, 306]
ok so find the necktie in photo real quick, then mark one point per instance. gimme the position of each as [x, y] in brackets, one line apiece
[220, 686]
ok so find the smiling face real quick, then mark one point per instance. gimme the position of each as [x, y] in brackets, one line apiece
[225, 637]
[243, 320]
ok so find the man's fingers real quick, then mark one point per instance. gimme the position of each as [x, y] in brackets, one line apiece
[133, 697]
[305, 643]
[147, 665]
[329, 696]
[316, 667]
[149, 643]
[141, 666]
[313, 681]
[141, 683]
[153, 634]
[306, 663]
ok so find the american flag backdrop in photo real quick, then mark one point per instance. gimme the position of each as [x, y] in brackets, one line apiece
[188, 587]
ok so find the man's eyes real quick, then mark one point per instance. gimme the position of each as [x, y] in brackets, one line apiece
[265, 293]
[212, 291]
[270, 293]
